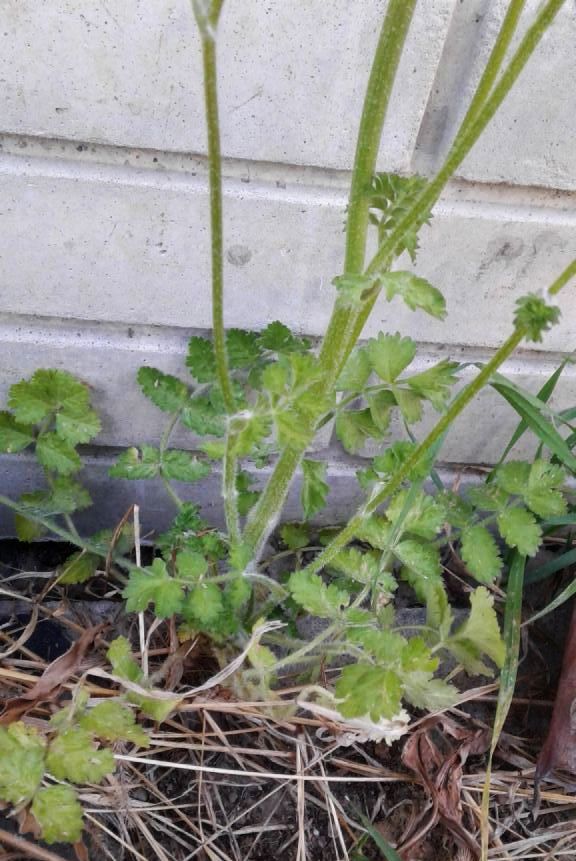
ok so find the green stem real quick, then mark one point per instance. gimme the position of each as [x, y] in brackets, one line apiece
[164, 442]
[563, 279]
[345, 329]
[229, 491]
[265, 514]
[458, 404]
[70, 537]
[384, 67]
[216, 230]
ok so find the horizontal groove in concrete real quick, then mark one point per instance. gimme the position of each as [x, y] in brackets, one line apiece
[169, 340]
[47, 157]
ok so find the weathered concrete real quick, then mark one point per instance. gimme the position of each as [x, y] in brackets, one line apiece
[104, 256]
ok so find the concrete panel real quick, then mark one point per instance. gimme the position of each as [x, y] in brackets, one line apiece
[531, 140]
[109, 243]
[292, 75]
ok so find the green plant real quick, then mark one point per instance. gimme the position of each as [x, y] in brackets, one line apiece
[257, 399]
[70, 752]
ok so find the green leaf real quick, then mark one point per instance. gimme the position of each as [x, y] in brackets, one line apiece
[376, 531]
[204, 604]
[182, 466]
[46, 392]
[385, 646]
[166, 392]
[203, 418]
[519, 529]
[314, 488]
[389, 355]
[363, 689]
[68, 495]
[435, 383]
[311, 593]
[279, 339]
[79, 567]
[426, 692]
[214, 449]
[409, 403]
[390, 198]
[355, 373]
[22, 752]
[153, 585]
[249, 432]
[535, 315]
[362, 567]
[243, 348]
[381, 405]
[123, 664]
[26, 529]
[191, 565]
[478, 635]
[112, 721]
[487, 497]
[295, 535]
[425, 517]
[421, 559]
[513, 477]
[354, 428]
[137, 464]
[416, 292]
[543, 495]
[57, 455]
[58, 813]
[14, 437]
[480, 554]
[73, 756]
[353, 289]
[78, 426]
[201, 360]
[237, 593]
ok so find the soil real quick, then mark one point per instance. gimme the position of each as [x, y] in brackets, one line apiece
[257, 818]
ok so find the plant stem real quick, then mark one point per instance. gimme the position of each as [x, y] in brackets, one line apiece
[336, 346]
[229, 491]
[264, 515]
[458, 404]
[216, 230]
[384, 67]
[162, 448]
[563, 279]
[70, 537]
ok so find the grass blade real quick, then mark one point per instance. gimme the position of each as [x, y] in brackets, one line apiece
[531, 410]
[560, 599]
[512, 620]
[543, 395]
[551, 567]
[388, 852]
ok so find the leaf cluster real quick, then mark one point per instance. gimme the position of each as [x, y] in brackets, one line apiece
[73, 752]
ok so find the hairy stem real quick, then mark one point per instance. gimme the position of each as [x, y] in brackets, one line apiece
[474, 124]
[216, 229]
[229, 491]
[265, 514]
[345, 326]
[71, 538]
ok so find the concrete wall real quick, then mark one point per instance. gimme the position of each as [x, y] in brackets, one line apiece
[103, 241]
